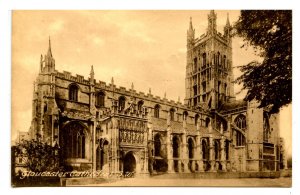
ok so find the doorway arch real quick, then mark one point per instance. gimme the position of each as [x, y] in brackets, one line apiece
[129, 163]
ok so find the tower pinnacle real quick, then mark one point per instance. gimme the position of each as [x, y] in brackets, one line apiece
[227, 21]
[49, 54]
[92, 74]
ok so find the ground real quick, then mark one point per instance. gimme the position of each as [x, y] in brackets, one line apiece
[236, 182]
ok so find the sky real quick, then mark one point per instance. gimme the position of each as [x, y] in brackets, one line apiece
[146, 48]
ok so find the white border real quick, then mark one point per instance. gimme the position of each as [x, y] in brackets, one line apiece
[5, 84]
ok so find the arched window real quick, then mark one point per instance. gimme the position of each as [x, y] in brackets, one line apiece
[74, 141]
[195, 64]
[207, 121]
[185, 115]
[176, 154]
[191, 147]
[121, 103]
[204, 59]
[156, 111]
[218, 59]
[205, 150]
[240, 121]
[172, 113]
[266, 127]
[100, 99]
[217, 150]
[196, 118]
[140, 105]
[73, 92]
[176, 144]
[157, 145]
[240, 139]
[224, 61]
[227, 150]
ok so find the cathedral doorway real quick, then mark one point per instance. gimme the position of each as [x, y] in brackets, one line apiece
[129, 164]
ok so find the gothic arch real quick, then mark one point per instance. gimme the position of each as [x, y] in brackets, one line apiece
[100, 99]
[185, 115]
[156, 110]
[158, 145]
[197, 119]
[191, 147]
[172, 114]
[140, 105]
[176, 152]
[240, 121]
[121, 103]
[73, 92]
[74, 139]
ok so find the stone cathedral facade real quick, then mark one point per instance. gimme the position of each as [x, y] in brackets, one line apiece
[103, 127]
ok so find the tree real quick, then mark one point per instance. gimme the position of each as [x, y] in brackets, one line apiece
[270, 33]
[38, 156]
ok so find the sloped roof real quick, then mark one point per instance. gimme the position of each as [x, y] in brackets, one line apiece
[233, 105]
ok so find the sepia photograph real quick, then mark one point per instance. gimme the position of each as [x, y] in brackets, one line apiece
[189, 98]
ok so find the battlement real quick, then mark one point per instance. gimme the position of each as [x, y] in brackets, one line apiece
[121, 90]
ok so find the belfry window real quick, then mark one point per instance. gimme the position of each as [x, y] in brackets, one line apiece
[224, 62]
[218, 59]
[100, 99]
[73, 92]
[204, 59]
[156, 111]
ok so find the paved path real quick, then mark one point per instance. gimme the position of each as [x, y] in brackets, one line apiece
[241, 182]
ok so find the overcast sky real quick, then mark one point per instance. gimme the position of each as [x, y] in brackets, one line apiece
[147, 48]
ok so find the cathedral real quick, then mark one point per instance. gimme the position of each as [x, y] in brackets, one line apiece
[116, 130]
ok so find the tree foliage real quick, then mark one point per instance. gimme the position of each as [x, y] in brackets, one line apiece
[270, 33]
[38, 156]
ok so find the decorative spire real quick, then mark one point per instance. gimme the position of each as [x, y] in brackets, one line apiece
[41, 63]
[227, 21]
[190, 34]
[191, 24]
[92, 74]
[227, 28]
[165, 95]
[132, 86]
[112, 80]
[212, 22]
[150, 90]
[49, 54]
[178, 98]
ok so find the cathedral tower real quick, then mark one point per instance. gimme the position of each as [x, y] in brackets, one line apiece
[209, 66]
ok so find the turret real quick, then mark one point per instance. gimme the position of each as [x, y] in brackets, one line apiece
[92, 75]
[190, 34]
[212, 22]
[227, 28]
[48, 63]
